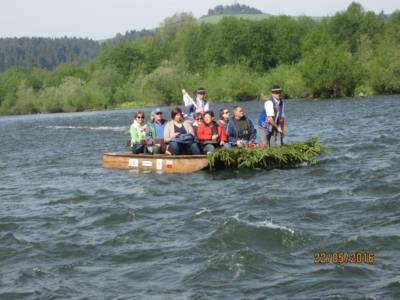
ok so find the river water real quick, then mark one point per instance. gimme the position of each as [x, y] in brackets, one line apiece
[71, 229]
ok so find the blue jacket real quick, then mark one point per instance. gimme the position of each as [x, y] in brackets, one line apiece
[233, 132]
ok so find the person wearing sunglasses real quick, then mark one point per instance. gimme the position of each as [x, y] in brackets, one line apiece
[271, 119]
[138, 133]
[155, 133]
[200, 101]
[198, 119]
[223, 117]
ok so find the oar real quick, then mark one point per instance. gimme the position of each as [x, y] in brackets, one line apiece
[189, 99]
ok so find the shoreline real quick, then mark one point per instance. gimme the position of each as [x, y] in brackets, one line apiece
[216, 102]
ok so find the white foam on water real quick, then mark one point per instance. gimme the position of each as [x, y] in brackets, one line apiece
[265, 224]
[273, 226]
[99, 128]
[202, 211]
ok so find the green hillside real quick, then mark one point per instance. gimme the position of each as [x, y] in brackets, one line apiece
[216, 19]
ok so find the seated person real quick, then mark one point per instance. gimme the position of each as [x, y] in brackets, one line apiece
[240, 129]
[223, 117]
[211, 134]
[198, 119]
[180, 135]
[155, 133]
[138, 133]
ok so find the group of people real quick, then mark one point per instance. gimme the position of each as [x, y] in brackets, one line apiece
[199, 133]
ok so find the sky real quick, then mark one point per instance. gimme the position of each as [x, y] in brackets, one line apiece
[101, 19]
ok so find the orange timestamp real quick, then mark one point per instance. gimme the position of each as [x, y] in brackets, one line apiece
[337, 257]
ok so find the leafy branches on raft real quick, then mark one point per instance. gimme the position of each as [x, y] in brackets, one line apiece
[286, 156]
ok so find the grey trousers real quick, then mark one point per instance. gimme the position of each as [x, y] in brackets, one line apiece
[269, 138]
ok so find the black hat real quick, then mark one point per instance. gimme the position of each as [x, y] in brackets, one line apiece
[276, 88]
[201, 90]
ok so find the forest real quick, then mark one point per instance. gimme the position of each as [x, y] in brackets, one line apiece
[353, 53]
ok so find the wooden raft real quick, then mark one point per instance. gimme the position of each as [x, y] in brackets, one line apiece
[155, 163]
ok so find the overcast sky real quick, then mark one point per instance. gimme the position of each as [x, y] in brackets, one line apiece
[100, 19]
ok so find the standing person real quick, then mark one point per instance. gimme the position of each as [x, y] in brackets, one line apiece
[200, 100]
[138, 133]
[240, 129]
[223, 117]
[155, 133]
[180, 135]
[272, 119]
[211, 134]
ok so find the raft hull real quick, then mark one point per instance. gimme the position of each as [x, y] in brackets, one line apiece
[155, 163]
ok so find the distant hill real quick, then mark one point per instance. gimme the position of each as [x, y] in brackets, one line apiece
[45, 53]
[128, 36]
[234, 9]
[217, 18]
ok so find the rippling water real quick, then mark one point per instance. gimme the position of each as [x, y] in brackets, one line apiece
[71, 229]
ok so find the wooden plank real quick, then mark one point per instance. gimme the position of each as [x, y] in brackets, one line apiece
[155, 163]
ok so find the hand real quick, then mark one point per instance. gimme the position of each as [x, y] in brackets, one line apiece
[222, 143]
[239, 143]
[176, 134]
[279, 129]
[200, 109]
[214, 137]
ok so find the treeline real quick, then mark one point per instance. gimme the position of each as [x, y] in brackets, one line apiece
[46, 53]
[129, 36]
[234, 9]
[352, 53]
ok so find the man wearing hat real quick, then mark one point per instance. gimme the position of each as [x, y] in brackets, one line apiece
[198, 104]
[272, 118]
[155, 133]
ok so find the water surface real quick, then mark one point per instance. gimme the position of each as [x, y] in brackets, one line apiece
[71, 229]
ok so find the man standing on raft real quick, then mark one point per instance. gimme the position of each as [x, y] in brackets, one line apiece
[272, 119]
[198, 104]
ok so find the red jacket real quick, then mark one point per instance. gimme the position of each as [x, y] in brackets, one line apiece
[204, 132]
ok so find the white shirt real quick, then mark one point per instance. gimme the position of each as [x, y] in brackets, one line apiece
[269, 108]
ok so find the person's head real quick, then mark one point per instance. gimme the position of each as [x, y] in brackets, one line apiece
[200, 93]
[208, 117]
[198, 117]
[176, 114]
[238, 112]
[224, 114]
[158, 115]
[276, 92]
[139, 116]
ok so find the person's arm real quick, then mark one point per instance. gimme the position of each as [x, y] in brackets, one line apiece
[253, 132]
[134, 135]
[232, 139]
[222, 134]
[206, 107]
[169, 132]
[271, 121]
[188, 128]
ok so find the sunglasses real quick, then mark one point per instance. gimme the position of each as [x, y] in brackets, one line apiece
[226, 112]
[139, 117]
[201, 93]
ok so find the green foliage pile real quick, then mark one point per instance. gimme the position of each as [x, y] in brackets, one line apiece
[286, 156]
[355, 52]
